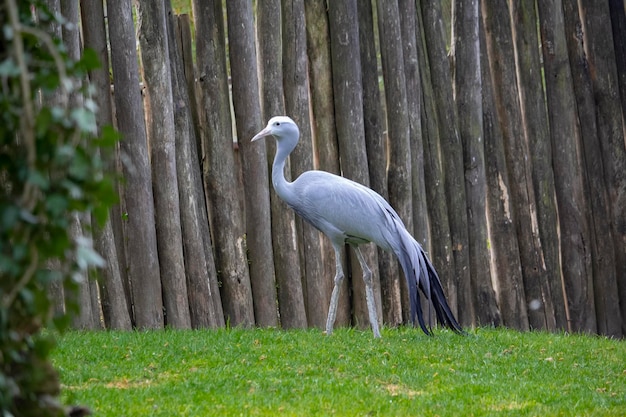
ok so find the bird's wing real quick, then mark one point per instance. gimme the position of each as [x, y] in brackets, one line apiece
[340, 207]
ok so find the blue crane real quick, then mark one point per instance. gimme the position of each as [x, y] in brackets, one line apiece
[348, 212]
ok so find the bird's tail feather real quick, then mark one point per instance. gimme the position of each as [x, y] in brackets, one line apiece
[420, 273]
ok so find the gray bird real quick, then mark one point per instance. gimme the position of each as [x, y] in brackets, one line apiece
[348, 212]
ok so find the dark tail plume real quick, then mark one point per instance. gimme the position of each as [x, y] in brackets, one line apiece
[420, 273]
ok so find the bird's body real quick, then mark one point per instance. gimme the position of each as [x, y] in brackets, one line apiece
[359, 215]
[348, 212]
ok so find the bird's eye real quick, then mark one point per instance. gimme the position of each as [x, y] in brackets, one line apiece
[277, 124]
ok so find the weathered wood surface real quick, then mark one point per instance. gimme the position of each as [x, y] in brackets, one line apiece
[500, 146]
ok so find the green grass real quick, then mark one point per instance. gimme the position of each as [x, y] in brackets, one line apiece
[275, 372]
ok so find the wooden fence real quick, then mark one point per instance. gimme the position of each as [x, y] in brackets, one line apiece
[500, 142]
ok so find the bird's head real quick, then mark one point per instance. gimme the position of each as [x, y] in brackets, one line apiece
[281, 127]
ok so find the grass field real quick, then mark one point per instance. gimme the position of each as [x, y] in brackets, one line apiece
[275, 372]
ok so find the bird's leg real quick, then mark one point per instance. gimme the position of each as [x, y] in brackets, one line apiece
[334, 298]
[369, 291]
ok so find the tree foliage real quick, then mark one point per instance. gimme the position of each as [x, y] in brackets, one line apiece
[51, 174]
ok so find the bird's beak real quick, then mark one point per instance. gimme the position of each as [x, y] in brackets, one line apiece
[263, 133]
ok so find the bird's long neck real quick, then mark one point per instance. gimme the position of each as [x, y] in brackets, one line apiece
[280, 183]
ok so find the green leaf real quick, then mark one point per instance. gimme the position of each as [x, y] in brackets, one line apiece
[101, 214]
[8, 266]
[106, 192]
[8, 32]
[90, 105]
[86, 256]
[56, 204]
[43, 121]
[20, 251]
[27, 296]
[89, 61]
[9, 216]
[61, 322]
[75, 191]
[43, 345]
[39, 179]
[85, 119]
[8, 68]
[47, 276]
[108, 137]
[80, 167]
[58, 113]
[65, 153]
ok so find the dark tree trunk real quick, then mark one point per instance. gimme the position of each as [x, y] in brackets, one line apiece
[617, 10]
[161, 134]
[321, 79]
[112, 295]
[205, 302]
[247, 106]
[398, 129]
[567, 159]
[580, 297]
[348, 93]
[537, 134]
[141, 244]
[96, 305]
[618, 24]
[460, 292]
[420, 230]
[468, 87]
[219, 169]
[376, 144]
[598, 43]
[202, 290]
[296, 90]
[433, 175]
[408, 18]
[182, 34]
[504, 248]
[503, 73]
[286, 255]
[113, 298]
[327, 151]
